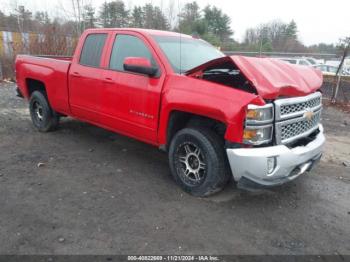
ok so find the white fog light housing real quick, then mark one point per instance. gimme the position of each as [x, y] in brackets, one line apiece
[271, 164]
[259, 114]
[257, 135]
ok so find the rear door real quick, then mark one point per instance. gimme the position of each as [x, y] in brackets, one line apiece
[131, 101]
[85, 78]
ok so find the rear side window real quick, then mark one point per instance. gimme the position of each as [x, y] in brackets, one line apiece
[92, 50]
[128, 46]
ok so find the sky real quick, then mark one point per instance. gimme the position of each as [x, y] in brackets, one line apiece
[318, 21]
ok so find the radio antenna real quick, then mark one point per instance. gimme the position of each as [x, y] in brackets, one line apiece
[178, 5]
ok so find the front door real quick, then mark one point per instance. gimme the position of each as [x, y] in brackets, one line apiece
[130, 101]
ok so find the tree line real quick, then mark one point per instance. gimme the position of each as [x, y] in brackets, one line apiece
[209, 23]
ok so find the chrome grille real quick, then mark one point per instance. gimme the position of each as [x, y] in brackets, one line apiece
[292, 108]
[299, 127]
[297, 117]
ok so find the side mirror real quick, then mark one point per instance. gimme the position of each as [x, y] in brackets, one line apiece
[140, 65]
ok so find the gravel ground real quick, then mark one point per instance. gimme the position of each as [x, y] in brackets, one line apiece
[96, 192]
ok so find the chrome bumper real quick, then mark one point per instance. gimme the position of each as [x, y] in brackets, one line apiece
[251, 163]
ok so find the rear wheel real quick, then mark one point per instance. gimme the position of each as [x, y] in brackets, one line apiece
[43, 117]
[198, 161]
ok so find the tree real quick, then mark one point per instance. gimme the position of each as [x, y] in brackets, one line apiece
[323, 48]
[189, 19]
[114, 14]
[344, 46]
[89, 18]
[2, 20]
[291, 30]
[154, 18]
[171, 13]
[218, 23]
[104, 15]
[147, 10]
[78, 13]
[137, 17]
[24, 17]
[42, 17]
[214, 26]
[273, 36]
[119, 13]
[159, 20]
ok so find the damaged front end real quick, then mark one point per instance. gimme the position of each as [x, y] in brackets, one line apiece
[269, 78]
[283, 138]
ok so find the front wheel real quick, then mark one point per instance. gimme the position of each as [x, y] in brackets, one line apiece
[43, 117]
[198, 162]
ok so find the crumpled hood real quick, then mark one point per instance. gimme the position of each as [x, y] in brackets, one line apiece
[273, 78]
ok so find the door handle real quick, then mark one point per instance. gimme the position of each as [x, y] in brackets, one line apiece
[108, 80]
[76, 74]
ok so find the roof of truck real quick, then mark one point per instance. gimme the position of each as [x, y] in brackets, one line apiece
[144, 31]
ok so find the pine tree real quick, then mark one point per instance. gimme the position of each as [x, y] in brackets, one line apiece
[104, 15]
[89, 17]
[114, 14]
[190, 19]
[218, 23]
[137, 17]
[292, 30]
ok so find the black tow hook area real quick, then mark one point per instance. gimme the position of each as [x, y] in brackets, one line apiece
[246, 184]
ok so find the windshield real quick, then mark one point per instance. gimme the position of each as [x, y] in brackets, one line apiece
[194, 52]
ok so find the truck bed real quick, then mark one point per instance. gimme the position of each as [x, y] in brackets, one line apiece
[52, 71]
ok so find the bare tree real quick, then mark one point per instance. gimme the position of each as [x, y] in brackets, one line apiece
[345, 45]
[171, 14]
[78, 12]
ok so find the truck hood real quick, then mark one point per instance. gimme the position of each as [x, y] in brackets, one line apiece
[270, 77]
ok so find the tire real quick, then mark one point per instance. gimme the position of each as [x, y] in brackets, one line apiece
[43, 117]
[198, 162]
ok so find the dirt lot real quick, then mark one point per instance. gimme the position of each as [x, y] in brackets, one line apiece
[101, 193]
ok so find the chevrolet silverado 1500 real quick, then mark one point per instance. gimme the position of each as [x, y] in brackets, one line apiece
[256, 120]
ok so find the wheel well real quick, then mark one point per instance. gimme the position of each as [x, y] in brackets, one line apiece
[35, 85]
[179, 120]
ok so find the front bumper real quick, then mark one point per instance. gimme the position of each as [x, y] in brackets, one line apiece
[250, 164]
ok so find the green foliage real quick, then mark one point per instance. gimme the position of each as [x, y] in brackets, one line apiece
[42, 17]
[190, 20]
[291, 30]
[273, 36]
[213, 25]
[114, 14]
[211, 38]
[137, 17]
[89, 19]
[218, 23]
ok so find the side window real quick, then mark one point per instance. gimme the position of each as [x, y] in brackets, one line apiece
[92, 50]
[128, 46]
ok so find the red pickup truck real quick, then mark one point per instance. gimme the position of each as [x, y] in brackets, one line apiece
[256, 120]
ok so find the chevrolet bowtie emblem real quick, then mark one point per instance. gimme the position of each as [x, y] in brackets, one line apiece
[308, 114]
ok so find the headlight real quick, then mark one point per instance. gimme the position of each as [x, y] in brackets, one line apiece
[258, 127]
[259, 114]
[257, 135]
